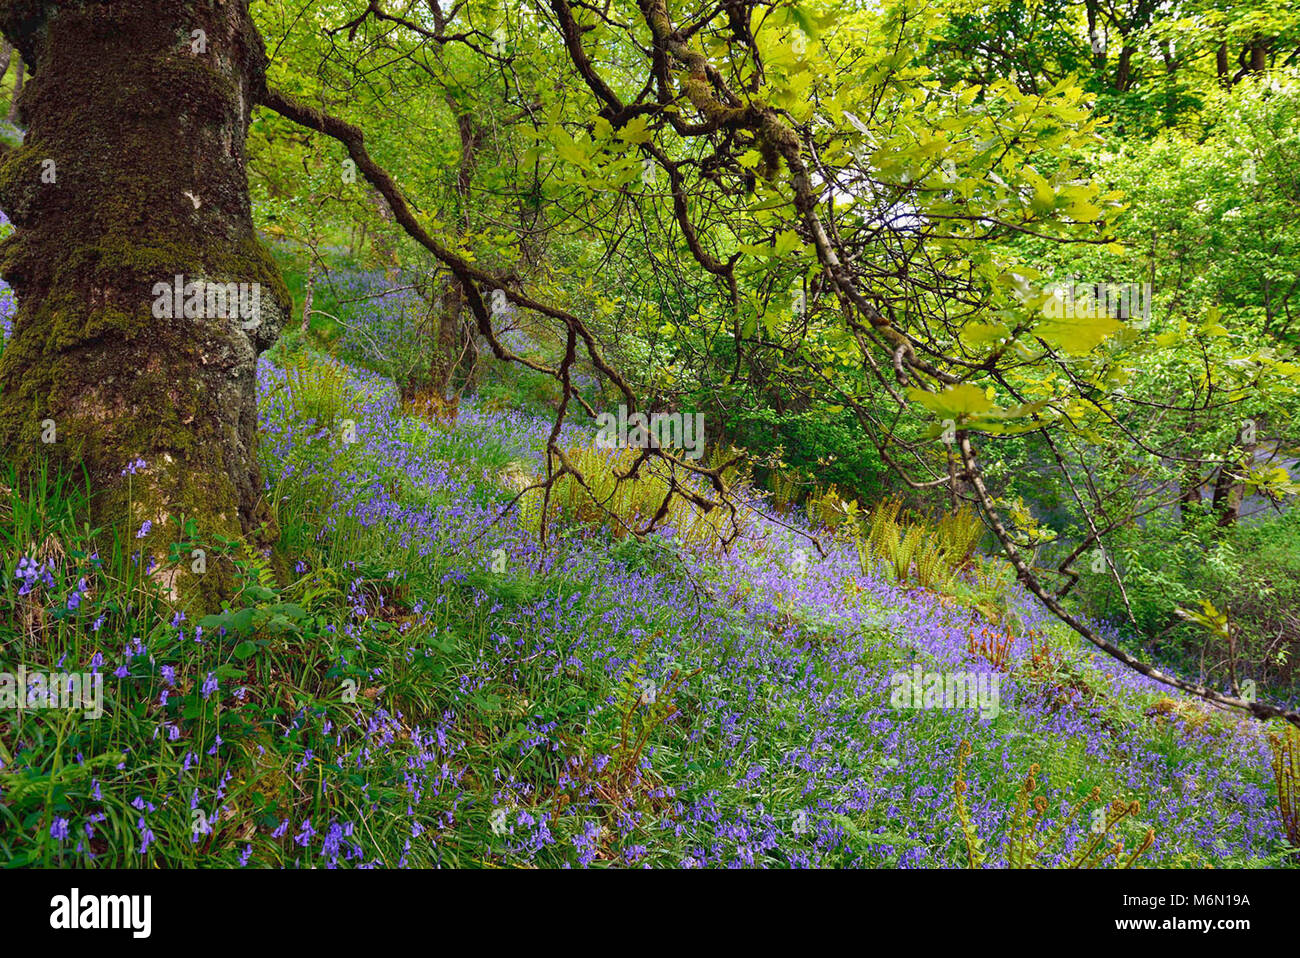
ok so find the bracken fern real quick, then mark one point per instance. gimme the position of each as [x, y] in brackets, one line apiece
[1285, 745]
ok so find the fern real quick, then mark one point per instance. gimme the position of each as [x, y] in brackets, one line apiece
[933, 569]
[958, 533]
[784, 485]
[1029, 844]
[903, 555]
[1285, 745]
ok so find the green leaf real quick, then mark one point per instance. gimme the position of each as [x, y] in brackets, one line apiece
[787, 242]
[982, 335]
[1078, 334]
[1044, 196]
[634, 130]
[963, 399]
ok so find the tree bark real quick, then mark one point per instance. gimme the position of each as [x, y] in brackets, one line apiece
[448, 346]
[1123, 71]
[308, 295]
[132, 174]
[6, 54]
[18, 89]
[384, 244]
[1259, 55]
[1229, 489]
[1189, 499]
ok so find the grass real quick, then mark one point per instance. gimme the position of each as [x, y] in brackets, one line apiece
[381, 692]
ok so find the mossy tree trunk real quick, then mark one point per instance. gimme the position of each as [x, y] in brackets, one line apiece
[447, 347]
[132, 173]
[12, 115]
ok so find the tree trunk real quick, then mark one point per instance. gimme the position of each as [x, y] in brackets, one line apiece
[384, 243]
[1123, 72]
[1189, 499]
[1259, 55]
[131, 181]
[1229, 489]
[308, 295]
[447, 347]
[18, 89]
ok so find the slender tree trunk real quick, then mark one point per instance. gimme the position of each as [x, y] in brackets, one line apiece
[1123, 71]
[18, 90]
[1259, 55]
[1229, 490]
[307, 296]
[447, 348]
[1096, 38]
[1190, 496]
[132, 174]
[384, 243]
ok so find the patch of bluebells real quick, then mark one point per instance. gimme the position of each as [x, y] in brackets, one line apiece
[8, 306]
[31, 573]
[851, 755]
[845, 756]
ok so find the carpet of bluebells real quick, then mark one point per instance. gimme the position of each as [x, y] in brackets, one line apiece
[433, 688]
[792, 752]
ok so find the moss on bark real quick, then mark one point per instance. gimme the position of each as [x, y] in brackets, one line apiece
[133, 172]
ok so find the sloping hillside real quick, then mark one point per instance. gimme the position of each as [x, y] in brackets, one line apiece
[405, 681]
